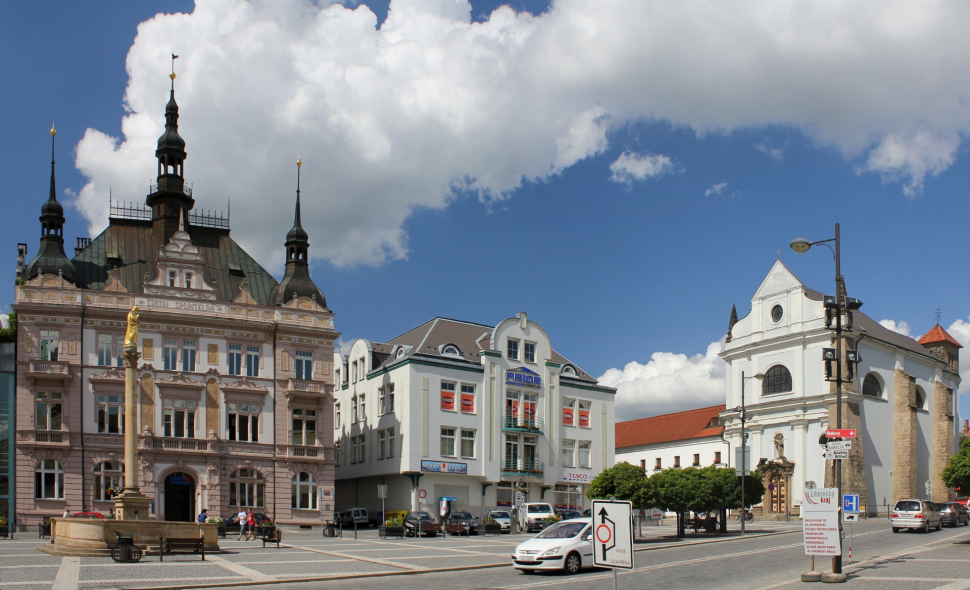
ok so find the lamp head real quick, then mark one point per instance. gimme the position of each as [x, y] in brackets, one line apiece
[759, 376]
[800, 245]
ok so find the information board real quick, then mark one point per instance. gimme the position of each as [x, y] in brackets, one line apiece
[613, 534]
[821, 533]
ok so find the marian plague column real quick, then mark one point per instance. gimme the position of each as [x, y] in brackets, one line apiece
[131, 504]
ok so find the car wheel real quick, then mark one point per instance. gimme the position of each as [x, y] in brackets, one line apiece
[573, 564]
[925, 528]
[939, 527]
[895, 529]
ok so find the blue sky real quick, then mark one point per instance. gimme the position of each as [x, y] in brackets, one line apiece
[644, 268]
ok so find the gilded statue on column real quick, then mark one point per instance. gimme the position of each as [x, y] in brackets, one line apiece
[131, 336]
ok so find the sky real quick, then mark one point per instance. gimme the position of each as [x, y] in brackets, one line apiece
[624, 172]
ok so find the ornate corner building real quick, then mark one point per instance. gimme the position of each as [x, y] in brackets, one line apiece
[235, 379]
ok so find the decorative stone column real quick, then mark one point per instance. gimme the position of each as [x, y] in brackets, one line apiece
[131, 504]
[942, 439]
[904, 436]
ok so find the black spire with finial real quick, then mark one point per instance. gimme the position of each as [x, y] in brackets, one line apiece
[731, 322]
[170, 199]
[50, 257]
[296, 280]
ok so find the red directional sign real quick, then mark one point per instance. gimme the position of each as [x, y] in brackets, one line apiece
[840, 433]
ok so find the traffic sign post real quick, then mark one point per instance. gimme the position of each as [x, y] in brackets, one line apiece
[850, 514]
[382, 494]
[613, 535]
[840, 433]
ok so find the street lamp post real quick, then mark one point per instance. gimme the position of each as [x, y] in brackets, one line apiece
[744, 444]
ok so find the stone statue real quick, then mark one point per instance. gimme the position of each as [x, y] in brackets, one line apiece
[131, 336]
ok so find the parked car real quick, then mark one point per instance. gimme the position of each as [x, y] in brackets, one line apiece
[954, 514]
[566, 546]
[503, 518]
[348, 518]
[461, 523]
[534, 515]
[567, 514]
[921, 515]
[588, 512]
[88, 515]
[418, 523]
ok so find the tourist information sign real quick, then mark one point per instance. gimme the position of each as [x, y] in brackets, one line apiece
[820, 522]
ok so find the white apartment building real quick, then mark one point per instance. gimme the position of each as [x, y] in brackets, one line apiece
[462, 410]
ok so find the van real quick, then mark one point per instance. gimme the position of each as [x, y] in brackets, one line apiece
[533, 515]
[352, 516]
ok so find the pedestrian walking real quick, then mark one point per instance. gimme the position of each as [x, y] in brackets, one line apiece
[251, 522]
[203, 515]
[242, 518]
[67, 513]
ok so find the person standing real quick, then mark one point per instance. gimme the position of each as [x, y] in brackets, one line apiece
[242, 518]
[67, 513]
[251, 521]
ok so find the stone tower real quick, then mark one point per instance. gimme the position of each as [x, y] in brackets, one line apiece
[947, 349]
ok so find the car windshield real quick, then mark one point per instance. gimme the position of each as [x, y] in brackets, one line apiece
[907, 506]
[540, 508]
[462, 516]
[421, 516]
[563, 530]
[570, 513]
[499, 515]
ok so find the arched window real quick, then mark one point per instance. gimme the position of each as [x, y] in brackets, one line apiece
[871, 386]
[304, 491]
[49, 480]
[247, 489]
[777, 380]
[568, 370]
[920, 398]
[451, 350]
[109, 479]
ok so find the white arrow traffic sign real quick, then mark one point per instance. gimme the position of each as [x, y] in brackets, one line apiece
[613, 534]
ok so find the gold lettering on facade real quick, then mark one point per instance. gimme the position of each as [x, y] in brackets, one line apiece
[71, 344]
[49, 295]
[284, 361]
[148, 349]
[213, 354]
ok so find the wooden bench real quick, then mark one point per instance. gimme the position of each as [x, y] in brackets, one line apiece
[180, 545]
[274, 536]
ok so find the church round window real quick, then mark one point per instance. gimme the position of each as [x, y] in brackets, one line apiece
[776, 313]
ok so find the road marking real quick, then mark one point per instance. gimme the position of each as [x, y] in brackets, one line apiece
[357, 558]
[68, 574]
[242, 570]
[960, 585]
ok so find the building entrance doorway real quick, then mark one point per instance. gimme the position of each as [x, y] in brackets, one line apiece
[179, 497]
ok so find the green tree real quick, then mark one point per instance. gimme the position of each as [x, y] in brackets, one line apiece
[9, 334]
[623, 481]
[727, 490]
[957, 473]
[683, 491]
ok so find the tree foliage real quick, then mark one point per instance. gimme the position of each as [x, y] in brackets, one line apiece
[957, 473]
[9, 334]
[623, 481]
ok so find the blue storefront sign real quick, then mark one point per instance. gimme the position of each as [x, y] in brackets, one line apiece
[444, 467]
[523, 376]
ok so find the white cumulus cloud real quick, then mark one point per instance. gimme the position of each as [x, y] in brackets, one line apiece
[668, 382]
[898, 327]
[428, 106]
[631, 166]
[716, 189]
[775, 152]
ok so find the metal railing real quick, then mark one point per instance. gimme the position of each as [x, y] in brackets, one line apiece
[129, 211]
[523, 423]
[522, 466]
[186, 189]
[208, 219]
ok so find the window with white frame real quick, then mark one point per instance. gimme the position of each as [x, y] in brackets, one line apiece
[109, 480]
[584, 453]
[47, 410]
[304, 365]
[513, 349]
[188, 356]
[252, 361]
[336, 452]
[49, 342]
[530, 352]
[390, 442]
[304, 491]
[234, 357]
[179, 417]
[336, 378]
[568, 412]
[111, 414]
[170, 352]
[188, 280]
[353, 372]
[467, 401]
[447, 442]
[568, 451]
[381, 444]
[336, 416]
[120, 352]
[362, 447]
[361, 399]
[49, 480]
[353, 449]
[381, 401]
[104, 349]
[243, 422]
[353, 410]
[304, 427]
[172, 278]
[390, 399]
[467, 443]
[247, 488]
[585, 420]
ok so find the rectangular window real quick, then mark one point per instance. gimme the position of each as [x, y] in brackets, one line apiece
[658, 465]
[467, 444]
[179, 418]
[171, 278]
[643, 465]
[697, 459]
[717, 457]
[511, 405]
[362, 447]
[390, 398]
[468, 399]
[111, 414]
[188, 280]
[304, 427]
[235, 359]
[513, 349]
[530, 352]
[336, 416]
[447, 397]
[304, 365]
[363, 407]
[336, 452]
[252, 361]
[568, 449]
[120, 352]
[568, 412]
[170, 354]
[243, 422]
[584, 421]
[381, 401]
[104, 350]
[584, 453]
[447, 442]
[49, 341]
[353, 410]
[381, 444]
[390, 443]
[48, 410]
[353, 372]
[353, 449]
[676, 460]
[511, 451]
[188, 356]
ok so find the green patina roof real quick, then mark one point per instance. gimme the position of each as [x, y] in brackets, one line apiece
[130, 246]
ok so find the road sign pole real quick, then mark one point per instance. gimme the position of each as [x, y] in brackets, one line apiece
[614, 578]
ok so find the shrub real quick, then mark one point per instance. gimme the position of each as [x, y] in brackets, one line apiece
[394, 521]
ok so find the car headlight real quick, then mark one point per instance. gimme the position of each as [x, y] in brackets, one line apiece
[548, 552]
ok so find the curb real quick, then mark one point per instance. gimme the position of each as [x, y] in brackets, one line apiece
[715, 540]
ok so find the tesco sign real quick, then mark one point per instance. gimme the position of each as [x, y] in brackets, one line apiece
[577, 477]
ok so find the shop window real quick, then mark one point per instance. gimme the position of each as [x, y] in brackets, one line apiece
[247, 489]
[243, 422]
[47, 410]
[568, 497]
[179, 418]
[304, 491]
[503, 494]
[49, 480]
[109, 479]
[111, 414]
[447, 442]
[304, 427]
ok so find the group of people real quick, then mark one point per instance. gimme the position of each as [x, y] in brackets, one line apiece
[247, 523]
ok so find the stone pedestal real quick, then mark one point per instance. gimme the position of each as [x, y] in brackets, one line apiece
[132, 506]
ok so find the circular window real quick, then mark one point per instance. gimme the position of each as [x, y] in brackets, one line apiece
[400, 352]
[776, 313]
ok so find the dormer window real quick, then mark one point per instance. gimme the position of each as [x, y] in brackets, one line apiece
[400, 352]
[451, 350]
[568, 370]
[714, 423]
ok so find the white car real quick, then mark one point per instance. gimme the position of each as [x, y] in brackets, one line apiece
[503, 518]
[565, 546]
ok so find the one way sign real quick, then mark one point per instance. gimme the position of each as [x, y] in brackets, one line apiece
[613, 534]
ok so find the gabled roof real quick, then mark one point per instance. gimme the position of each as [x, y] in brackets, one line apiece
[938, 334]
[669, 427]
